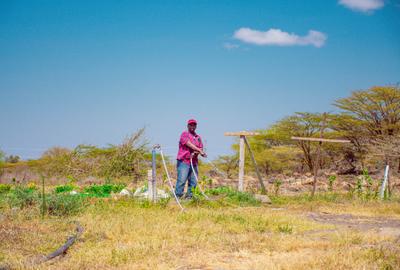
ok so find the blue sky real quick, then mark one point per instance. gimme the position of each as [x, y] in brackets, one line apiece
[93, 72]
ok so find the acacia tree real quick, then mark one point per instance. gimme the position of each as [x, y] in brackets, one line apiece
[370, 118]
[376, 110]
[301, 124]
[228, 164]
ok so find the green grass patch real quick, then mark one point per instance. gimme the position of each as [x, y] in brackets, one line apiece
[4, 188]
[65, 188]
[330, 197]
[234, 197]
[102, 191]
[22, 197]
[64, 204]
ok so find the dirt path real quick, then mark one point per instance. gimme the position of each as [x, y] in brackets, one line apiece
[381, 225]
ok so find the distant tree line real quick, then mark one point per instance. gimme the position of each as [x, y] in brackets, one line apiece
[369, 119]
[130, 158]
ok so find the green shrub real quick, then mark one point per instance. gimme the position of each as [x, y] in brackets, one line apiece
[331, 180]
[64, 204]
[103, 190]
[277, 185]
[235, 197]
[368, 192]
[22, 197]
[64, 188]
[163, 203]
[219, 190]
[198, 197]
[4, 188]
[285, 228]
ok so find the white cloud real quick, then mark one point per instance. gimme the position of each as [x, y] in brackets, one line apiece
[230, 46]
[363, 5]
[278, 37]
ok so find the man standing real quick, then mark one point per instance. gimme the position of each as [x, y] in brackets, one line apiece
[190, 146]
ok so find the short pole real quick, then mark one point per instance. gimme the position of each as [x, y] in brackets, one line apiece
[43, 198]
[150, 184]
[384, 182]
[241, 163]
[154, 176]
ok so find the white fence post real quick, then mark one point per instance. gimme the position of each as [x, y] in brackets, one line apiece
[150, 184]
[384, 182]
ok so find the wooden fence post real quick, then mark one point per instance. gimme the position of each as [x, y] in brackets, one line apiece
[260, 180]
[242, 140]
[241, 164]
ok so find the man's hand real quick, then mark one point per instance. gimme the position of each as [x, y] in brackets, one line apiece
[203, 154]
[196, 149]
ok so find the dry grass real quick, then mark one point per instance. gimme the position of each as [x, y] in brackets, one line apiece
[125, 234]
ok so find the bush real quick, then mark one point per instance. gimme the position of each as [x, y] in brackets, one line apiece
[126, 159]
[219, 191]
[285, 228]
[103, 190]
[236, 197]
[331, 180]
[64, 204]
[64, 188]
[4, 188]
[22, 197]
[277, 185]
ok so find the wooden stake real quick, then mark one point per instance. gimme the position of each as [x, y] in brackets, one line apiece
[242, 140]
[260, 180]
[241, 163]
[43, 199]
[317, 159]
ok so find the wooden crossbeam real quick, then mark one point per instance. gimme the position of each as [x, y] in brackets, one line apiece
[242, 133]
[320, 140]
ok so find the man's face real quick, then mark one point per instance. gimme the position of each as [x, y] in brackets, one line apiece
[192, 128]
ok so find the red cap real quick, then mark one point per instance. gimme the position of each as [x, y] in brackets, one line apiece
[192, 121]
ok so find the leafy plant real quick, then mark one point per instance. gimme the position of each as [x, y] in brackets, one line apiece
[103, 190]
[64, 188]
[64, 204]
[285, 228]
[277, 185]
[163, 202]
[207, 181]
[331, 181]
[371, 193]
[22, 197]
[359, 187]
[4, 188]
[236, 197]
[197, 197]
[71, 179]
